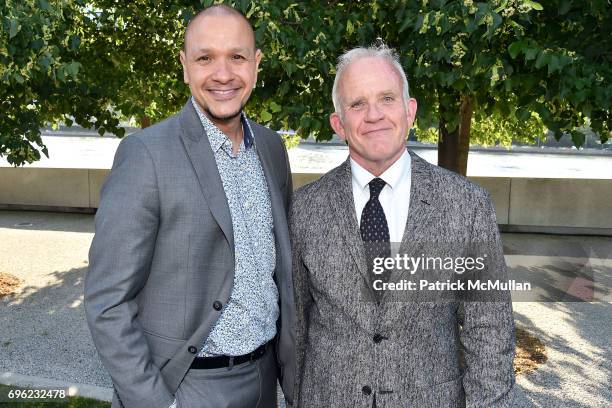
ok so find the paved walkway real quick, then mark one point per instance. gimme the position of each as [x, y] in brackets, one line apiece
[44, 333]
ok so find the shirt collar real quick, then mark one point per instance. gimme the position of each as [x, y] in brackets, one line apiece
[216, 137]
[391, 176]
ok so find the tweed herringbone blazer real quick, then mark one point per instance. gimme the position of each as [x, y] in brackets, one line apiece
[403, 353]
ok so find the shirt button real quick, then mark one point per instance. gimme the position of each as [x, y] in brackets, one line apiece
[366, 390]
[192, 350]
[217, 305]
[378, 338]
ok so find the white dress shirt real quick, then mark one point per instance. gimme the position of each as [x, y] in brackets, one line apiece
[394, 197]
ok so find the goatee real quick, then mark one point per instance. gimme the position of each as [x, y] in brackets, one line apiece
[224, 118]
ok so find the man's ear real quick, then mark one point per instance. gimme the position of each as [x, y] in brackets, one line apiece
[337, 125]
[184, 64]
[258, 55]
[411, 109]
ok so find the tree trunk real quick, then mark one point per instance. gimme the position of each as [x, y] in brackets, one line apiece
[453, 147]
[144, 121]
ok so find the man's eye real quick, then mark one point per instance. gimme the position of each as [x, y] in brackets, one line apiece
[238, 57]
[357, 105]
[388, 99]
[204, 58]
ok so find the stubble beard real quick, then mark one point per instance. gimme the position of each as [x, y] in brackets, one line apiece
[223, 118]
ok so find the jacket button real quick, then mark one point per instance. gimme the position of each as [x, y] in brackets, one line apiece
[192, 350]
[378, 338]
[217, 305]
[366, 390]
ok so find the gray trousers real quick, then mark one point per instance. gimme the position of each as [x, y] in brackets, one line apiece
[248, 385]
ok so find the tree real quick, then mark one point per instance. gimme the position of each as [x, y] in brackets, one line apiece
[493, 66]
[516, 62]
[39, 76]
[131, 49]
[482, 72]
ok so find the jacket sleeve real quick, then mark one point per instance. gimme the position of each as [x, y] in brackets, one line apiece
[303, 298]
[487, 324]
[289, 183]
[119, 260]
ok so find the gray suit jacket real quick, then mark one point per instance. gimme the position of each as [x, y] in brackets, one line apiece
[163, 253]
[415, 361]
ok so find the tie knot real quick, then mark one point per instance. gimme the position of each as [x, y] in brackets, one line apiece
[376, 186]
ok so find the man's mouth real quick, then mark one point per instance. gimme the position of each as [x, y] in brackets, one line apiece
[223, 94]
[374, 131]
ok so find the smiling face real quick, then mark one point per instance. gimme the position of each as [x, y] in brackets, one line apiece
[374, 117]
[220, 65]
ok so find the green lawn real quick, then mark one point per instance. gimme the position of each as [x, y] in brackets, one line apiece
[75, 402]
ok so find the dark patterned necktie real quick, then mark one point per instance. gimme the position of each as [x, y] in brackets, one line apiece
[375, 231]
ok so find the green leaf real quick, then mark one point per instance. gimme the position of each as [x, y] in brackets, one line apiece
[275, 107]
[14, 28]
[75, 41]
[531, 53]
[37, 44]
[72, 69]
[523, 114]
[349, 27]
[578, 138]
[419, 22]
[515, 48]
[45, 5]
[266, 116]
[405, 25]
[533, 4]
[120, 132]
[564, 7]
[554, 64]
[543, 59]
[502, 6]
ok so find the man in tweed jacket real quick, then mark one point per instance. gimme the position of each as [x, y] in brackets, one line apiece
[358, 347]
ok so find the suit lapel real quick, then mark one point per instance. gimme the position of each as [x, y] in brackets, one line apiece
[278, 208]
[343, 205]
[203, 161]
[417, 223]
[420, 210]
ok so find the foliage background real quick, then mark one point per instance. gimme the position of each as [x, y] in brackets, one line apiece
[524, 66]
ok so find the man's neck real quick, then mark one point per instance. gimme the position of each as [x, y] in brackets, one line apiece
[377, 168]
[232, 128]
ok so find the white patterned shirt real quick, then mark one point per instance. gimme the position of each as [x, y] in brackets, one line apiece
[394, 197]
[248, 320]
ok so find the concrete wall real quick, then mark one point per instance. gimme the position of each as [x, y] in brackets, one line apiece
[521, 204]
[48, 187]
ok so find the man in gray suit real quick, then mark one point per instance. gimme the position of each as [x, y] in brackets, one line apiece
[358, 345]
[189, 294]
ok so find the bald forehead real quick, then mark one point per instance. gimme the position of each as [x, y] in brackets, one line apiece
[217, 11]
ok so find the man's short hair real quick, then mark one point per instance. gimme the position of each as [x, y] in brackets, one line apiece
[378, 50]
[218, 10]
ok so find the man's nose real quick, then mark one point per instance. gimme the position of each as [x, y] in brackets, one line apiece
[373, 113]
[223, 72]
